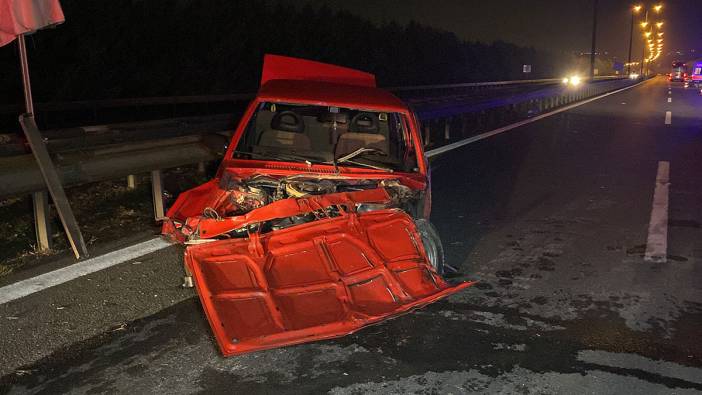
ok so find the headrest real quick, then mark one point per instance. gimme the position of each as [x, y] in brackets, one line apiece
[364, 122]
[288, 121]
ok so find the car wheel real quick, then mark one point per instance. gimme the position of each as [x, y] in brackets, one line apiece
[432, 244]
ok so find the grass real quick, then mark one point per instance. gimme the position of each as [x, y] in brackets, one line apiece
[105, 211]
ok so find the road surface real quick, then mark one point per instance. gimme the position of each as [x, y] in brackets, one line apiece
[584, 230]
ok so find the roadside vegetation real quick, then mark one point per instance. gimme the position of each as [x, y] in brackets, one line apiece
[105, 211]
[187, 47]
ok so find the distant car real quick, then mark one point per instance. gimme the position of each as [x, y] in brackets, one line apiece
[316, 223]
[679, 72]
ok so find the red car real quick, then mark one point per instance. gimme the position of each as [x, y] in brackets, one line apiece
[316, 223]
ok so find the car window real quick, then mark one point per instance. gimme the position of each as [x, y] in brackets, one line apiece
[326, 133]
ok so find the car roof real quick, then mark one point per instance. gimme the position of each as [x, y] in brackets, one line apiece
[328, 93]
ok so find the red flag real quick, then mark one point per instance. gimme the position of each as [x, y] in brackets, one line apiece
[24, 16]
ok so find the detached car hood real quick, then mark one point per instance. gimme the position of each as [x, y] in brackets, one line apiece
[317, 280]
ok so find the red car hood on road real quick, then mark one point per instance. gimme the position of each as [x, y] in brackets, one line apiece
[313, 281]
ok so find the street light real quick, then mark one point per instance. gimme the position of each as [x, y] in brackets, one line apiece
[647, 34]
[593, 47]
[634, 10]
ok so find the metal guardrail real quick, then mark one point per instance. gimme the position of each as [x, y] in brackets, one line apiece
[447, 123]
[453, 104]
[95, 105]
[490, 84]
[100, 152]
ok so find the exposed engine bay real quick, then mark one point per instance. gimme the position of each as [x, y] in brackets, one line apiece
[258, 191]
[235, 197]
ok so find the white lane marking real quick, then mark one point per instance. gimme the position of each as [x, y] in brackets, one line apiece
[35, 284]
[657, 242]
[670, 93]
[670, 100]
[470, 140]
[668, 117]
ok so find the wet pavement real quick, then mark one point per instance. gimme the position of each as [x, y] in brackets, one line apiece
[551, 218]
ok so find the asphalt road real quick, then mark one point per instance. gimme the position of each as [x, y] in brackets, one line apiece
[552, 218]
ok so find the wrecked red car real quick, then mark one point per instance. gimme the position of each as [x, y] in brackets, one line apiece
[316, 223]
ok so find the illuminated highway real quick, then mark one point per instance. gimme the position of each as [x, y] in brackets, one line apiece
[583, 228]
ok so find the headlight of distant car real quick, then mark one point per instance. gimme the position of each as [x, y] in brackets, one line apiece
[572, 80]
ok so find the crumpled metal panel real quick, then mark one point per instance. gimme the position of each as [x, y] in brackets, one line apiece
[319, 280]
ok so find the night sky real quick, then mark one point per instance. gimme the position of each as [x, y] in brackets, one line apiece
[561, 25]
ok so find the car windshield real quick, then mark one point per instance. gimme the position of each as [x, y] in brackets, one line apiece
[328, 134]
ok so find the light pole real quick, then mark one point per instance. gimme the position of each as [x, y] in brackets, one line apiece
[634, 10]
[644, 24]
[643, 49]
[594, 40]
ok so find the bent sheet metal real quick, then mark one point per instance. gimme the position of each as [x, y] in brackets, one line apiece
[314, 281]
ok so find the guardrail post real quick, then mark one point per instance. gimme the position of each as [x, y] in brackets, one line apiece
[42, 222]
[131, 182]
[447, 130]
[427, 134]
[157, 193]
[201, 167]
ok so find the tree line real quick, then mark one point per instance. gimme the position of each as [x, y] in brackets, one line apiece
[137, 48]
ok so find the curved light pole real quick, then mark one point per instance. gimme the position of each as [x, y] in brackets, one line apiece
[634, 10]
[644, 24]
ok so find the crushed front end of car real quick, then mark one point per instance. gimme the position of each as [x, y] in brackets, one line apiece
[315, 225]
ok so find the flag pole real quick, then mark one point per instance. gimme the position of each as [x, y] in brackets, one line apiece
[26, 83]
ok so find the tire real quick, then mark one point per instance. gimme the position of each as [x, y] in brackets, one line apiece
[432, 245]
